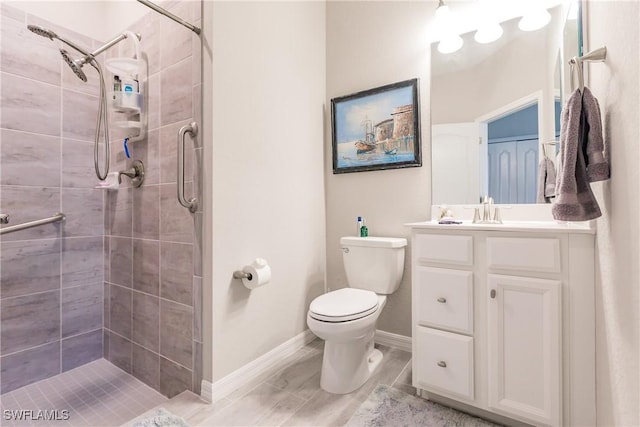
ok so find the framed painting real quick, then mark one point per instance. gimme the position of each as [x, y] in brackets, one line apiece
[376, 129]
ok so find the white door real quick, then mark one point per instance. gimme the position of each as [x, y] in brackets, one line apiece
[455, 174]
[524, 334]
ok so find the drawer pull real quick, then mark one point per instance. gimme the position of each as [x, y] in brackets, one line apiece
[442, 364]
[442, 300]
[493, 293]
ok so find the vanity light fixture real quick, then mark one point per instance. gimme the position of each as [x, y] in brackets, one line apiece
[442, 11]
[535, 18]
[451, 41]
[573, 10]
[489, 32]
[450, 44]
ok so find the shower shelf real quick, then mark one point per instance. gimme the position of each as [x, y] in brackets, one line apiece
[128, 124]
[126, 102]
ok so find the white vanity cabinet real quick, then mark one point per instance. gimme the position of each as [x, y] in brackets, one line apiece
[503, 320]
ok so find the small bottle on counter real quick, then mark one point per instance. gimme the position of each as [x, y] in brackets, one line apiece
[364, 231]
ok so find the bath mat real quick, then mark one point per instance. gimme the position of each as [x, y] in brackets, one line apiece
[387, 406]
[162, 418]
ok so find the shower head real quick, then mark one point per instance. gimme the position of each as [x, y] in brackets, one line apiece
[42, 32]
[75, 66]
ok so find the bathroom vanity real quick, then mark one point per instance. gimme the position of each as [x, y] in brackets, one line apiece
[503, 318]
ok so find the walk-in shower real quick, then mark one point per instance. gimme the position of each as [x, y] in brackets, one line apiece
[101, 314]
[102, 121]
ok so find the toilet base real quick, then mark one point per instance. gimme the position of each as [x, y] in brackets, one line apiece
[346, 366]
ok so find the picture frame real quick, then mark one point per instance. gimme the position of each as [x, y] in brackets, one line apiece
[377, 129]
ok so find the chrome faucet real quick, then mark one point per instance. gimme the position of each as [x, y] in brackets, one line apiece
[4, 219]
[135, 173]
[487, 202]
[486, 211]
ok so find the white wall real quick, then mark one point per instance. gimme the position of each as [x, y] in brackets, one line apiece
[615, 84]
[371, 44]
[99, 19]
[268, 190]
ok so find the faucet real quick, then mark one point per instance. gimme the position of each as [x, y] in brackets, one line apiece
[135, 173]
[486, 211]
[4, 219]
[487, 202]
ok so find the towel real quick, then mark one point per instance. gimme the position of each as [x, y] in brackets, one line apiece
[597, 166]
[579, 147]
[546, 180]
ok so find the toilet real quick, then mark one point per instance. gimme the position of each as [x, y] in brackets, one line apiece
[346, 318]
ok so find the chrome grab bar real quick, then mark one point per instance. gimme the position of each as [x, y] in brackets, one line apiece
[56, 218]
[191, 128]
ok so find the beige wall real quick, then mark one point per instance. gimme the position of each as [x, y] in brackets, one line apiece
[615, 84]
[370, 44]
[98, 19]
[267, 173]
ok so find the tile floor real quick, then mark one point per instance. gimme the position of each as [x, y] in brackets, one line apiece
[95, 394]
[100, 394]
[290, 395]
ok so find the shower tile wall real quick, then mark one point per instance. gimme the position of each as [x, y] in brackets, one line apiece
[153, 284]
[51, 276]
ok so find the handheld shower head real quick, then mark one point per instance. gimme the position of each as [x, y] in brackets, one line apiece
[74, 65]
[42, 32]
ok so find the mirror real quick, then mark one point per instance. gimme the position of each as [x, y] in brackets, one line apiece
[495, 110]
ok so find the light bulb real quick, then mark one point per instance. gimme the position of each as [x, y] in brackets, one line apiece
[442, 12]
[572, 15]
[489, 33]
[534, 19]
[450, 44]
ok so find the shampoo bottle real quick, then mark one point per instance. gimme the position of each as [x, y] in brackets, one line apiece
[359, 224]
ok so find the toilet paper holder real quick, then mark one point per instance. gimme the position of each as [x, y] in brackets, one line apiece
[256, 274]
[239, 274]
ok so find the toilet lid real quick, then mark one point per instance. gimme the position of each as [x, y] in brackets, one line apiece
[343, 305]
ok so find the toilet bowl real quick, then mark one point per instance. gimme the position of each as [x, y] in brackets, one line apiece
[346, 318]
[349, 356]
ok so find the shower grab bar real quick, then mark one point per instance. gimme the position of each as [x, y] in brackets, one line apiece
[170, 15]
[191, 128]
[56, 218]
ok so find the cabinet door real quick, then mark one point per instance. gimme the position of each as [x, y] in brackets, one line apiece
[524, 337]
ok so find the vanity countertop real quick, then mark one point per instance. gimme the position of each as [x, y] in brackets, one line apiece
[525, 226]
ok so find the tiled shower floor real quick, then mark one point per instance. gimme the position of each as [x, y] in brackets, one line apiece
[95, 394]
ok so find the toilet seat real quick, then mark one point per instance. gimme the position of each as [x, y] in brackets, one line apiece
[343, 305]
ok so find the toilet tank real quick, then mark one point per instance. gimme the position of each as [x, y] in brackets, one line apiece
[374, 263]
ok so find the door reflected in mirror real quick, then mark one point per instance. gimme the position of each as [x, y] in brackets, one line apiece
[495, 111]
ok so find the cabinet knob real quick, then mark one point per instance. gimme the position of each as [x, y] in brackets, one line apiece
[493, 293]
[442, 364]
[442, 300]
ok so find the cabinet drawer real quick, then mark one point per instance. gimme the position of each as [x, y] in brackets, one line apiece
[444, 299]
[528, 254]
[444, 248]
[444, 362]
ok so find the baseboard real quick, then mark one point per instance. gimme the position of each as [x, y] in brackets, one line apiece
[393, 340]
[226, 385]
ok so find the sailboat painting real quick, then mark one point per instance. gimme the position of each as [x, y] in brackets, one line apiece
[376, 129]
